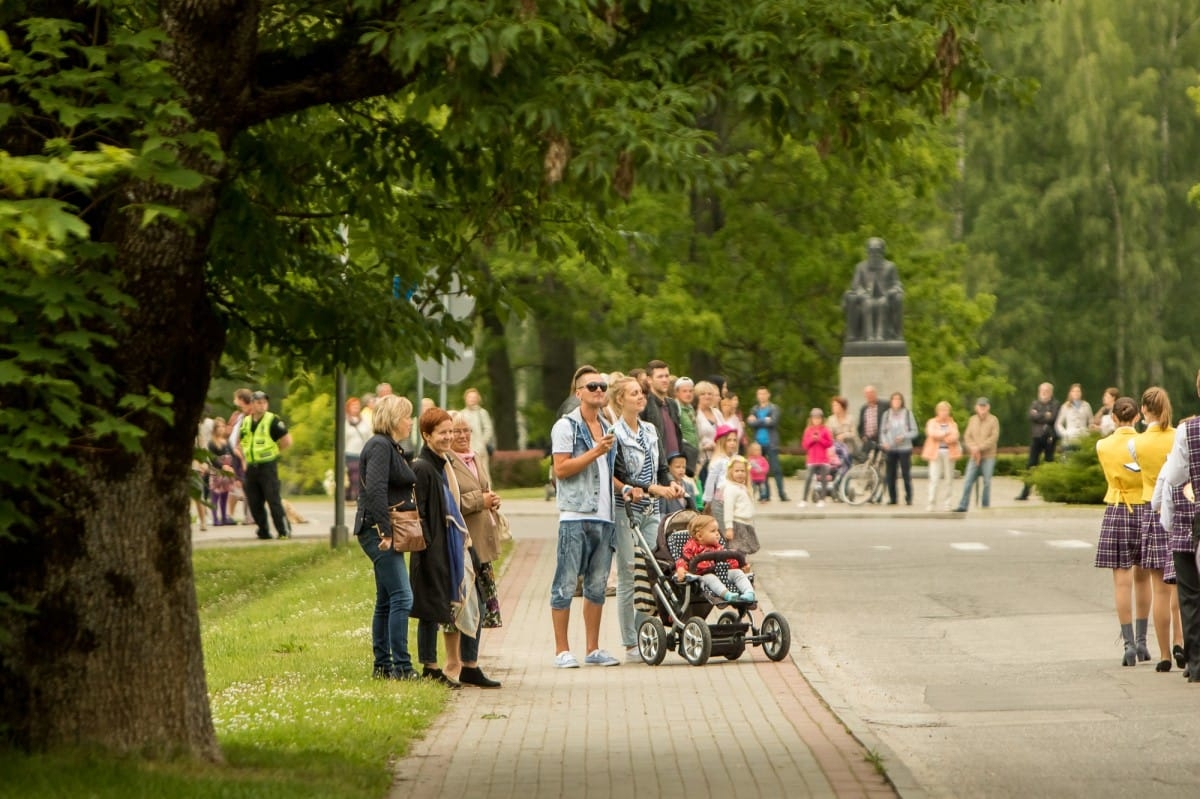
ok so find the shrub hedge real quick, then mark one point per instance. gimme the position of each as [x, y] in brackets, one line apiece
[522, 468]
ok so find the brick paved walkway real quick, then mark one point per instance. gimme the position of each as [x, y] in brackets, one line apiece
[746, 728]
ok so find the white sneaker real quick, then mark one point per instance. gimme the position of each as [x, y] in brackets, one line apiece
[801, 504]
[632, 655]
[820, 503]
[598, 657]
[565, 660]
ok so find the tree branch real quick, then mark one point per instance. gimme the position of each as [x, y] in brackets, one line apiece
[338, 70]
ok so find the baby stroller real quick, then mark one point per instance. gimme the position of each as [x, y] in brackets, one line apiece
[841, 461]
[677, 620]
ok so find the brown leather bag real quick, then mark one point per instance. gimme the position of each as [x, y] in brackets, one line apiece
[406, 534]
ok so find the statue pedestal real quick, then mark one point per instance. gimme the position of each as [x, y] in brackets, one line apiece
[888, 373]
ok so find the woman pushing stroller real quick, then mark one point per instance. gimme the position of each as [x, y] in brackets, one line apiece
[705, 537]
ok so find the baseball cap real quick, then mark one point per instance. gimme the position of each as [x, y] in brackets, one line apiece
[982, 401]
[723, 430]
[257, 395]
[817, 412]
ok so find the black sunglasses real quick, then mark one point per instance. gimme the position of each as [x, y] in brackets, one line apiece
[594, 386]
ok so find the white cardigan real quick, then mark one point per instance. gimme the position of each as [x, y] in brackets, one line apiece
[738, 505]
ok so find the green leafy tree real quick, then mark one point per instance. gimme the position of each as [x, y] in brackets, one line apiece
[178, 177]
[1076, 203]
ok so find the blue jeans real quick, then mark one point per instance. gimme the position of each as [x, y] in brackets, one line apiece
[393, 603]
[772, 454]
[584, 548]
[986, 466]
[647, 523]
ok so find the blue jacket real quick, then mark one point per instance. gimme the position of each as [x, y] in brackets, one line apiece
[580, 493]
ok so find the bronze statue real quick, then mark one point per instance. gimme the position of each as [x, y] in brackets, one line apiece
[874, 305]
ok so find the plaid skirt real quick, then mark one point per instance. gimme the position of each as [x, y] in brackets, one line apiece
[1155, 541]
[1120, 541]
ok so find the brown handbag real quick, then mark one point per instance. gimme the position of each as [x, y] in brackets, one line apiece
[406, 533]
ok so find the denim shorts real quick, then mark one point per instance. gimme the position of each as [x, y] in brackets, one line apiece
[584, 548]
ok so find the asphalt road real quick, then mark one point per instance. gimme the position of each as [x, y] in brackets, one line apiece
[983, 652]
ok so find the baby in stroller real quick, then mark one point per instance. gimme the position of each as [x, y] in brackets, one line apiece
[718, 577]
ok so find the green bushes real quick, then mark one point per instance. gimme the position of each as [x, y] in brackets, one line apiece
[1077, 480]
[519, 468]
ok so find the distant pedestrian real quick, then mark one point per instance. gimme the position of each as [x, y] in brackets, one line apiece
[1102, 422]
[940, 451]
[1042, 415]
[221, 476]
[870, 417]
[708, 419]
[264, 437]
[760, 470]
[763, 422]
[1074, 419]
[483, 433]
[358, 432]
[685, 398]
[818, 456]
[982, 438]
[897, 430]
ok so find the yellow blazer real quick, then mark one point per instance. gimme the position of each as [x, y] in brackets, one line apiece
[1124, 486]
[1152, 447]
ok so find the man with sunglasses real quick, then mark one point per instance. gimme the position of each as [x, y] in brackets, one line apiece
[582, 450]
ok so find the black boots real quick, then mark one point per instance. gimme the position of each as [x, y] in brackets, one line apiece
[473, 675]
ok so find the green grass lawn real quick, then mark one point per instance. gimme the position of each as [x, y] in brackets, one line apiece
[287, 648]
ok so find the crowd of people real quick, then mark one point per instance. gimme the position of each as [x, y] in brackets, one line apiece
[628, 449]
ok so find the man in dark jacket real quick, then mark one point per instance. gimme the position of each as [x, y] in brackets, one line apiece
[1042, 415]
[661, 412]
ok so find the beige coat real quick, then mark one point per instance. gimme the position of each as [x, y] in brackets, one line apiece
[484, 535]
[983, 435]
[933, 432]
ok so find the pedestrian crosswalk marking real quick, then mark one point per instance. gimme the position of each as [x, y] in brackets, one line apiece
[1016, 532]
[882, 547]
[791, 553]
[1069, 544]
[970, 546]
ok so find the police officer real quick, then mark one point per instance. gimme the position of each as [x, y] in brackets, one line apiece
[263, 437]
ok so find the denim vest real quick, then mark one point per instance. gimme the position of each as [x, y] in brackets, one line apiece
[581, 492]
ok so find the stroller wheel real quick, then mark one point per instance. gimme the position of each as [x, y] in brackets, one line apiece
[776, 627]
[728, 617]
[652, 641]
[696, 642]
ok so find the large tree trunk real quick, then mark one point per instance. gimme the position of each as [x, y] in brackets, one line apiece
[504, 391]
[110, 653]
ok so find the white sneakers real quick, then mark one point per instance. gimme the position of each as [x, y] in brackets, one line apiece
[597, 657]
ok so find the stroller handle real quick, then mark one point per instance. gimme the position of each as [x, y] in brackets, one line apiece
[720, 554]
